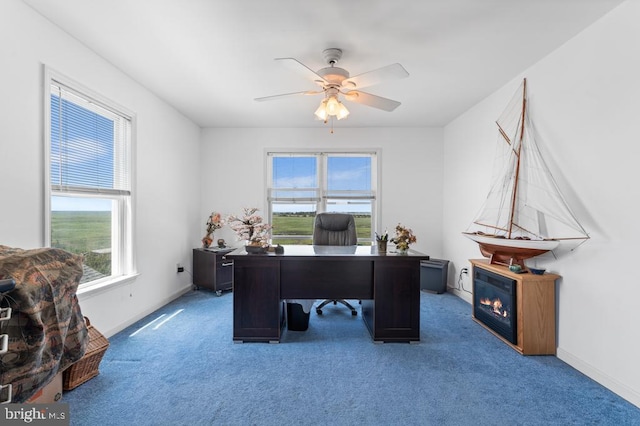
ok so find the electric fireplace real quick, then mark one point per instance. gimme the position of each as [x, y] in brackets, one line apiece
[519, 309]
[494, 303]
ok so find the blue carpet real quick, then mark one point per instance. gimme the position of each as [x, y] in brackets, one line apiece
[186, 370]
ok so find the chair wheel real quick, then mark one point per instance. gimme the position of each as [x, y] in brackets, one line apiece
[354, 313]
[319, 311]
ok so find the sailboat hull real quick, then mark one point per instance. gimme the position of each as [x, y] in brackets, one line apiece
[509, 251]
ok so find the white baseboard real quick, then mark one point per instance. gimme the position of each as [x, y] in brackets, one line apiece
[608, 382]
[148, 311]
[588, 370]
[467, 297]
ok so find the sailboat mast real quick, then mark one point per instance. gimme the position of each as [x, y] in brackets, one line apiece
[514, 195]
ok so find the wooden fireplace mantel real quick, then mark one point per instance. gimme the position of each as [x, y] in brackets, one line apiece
[536, 307]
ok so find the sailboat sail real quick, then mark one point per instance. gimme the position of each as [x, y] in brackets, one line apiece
[524, 209]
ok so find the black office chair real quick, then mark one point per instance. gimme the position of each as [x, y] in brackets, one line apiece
[335, 229]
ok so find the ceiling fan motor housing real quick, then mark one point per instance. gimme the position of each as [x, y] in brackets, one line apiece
[332, 74]
[332, 55]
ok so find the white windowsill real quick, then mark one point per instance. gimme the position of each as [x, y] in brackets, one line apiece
[102, 286]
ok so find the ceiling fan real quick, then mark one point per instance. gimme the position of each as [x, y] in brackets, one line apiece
[335, 81]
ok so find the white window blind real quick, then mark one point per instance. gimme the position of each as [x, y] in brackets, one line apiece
[88, 145]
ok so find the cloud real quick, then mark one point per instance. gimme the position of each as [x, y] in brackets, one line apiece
[296, 182]
[81, 151]
[350, 175]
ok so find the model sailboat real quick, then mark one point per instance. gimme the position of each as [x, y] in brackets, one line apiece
[525, 215]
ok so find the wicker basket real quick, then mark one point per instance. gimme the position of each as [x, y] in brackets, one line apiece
[87, 367]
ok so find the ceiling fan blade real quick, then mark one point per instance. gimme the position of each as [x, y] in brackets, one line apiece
[297, 66]
[390, 72]
[371, 100]
[285, 95]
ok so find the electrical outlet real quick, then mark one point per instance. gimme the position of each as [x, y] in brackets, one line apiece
[179, 268]
[464, 271]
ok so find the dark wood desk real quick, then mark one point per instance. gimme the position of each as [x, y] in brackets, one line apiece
[388, 285]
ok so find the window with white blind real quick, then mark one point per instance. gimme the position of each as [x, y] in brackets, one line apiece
[302, 184]
[89, 180]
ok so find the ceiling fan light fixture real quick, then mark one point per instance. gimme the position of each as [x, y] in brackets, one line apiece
[343, 112]
[321, 112]
[331, 107]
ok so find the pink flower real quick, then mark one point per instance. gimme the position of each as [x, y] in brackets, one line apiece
[214, 222]
[250, 227]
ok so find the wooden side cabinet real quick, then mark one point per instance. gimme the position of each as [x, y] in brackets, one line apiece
[211, 270]
[536, 310]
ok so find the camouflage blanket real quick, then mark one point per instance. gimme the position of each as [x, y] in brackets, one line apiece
[47, 332]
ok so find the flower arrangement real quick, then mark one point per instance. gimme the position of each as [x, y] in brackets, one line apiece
[214, 222]
[404, 237]
[250, 228]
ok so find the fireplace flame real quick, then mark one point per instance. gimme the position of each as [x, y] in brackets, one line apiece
[495, 306]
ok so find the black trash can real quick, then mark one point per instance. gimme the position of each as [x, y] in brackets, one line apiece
[433, 275]
[297, 318]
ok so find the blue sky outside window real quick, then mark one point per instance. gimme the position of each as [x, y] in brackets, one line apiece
[82, 146]
[295, 172]
[349, 173]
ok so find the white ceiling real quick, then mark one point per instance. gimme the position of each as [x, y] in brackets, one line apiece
[211, 58]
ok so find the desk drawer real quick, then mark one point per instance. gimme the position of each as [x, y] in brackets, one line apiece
[326, 279]
[224, 273]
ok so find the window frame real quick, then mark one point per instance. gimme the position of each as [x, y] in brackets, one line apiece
[123, 259]
[322, 176]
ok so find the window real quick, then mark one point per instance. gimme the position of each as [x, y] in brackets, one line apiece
[88, 171]
[303, 184]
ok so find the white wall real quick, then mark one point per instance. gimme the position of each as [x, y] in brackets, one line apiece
[584, 103]
[583, 100]
[234, 170]
[167, 166]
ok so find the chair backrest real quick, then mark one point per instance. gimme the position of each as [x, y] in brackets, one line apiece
[334, 229]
